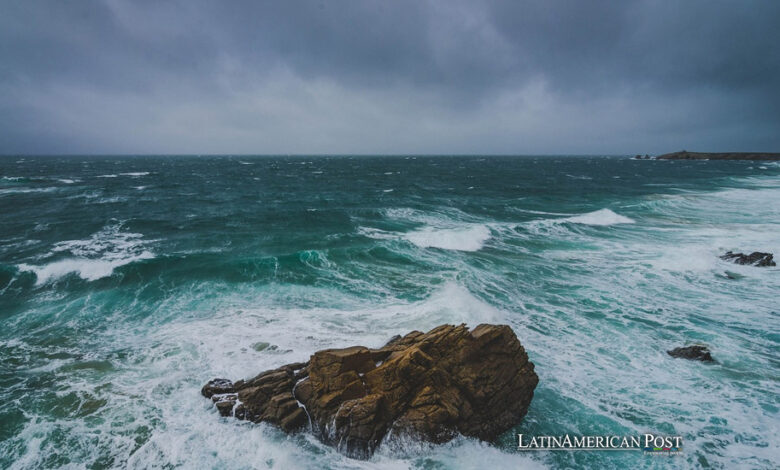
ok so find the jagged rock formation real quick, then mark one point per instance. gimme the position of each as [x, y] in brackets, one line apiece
[755, 259]
[694, 353]
[685, 155]
[428, 386]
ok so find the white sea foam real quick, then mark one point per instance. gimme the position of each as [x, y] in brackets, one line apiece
[406, 213]
[89, 269]
[531, 211]
[107, 176]
[94, 257]
[463, 238]
[560, 228]
[601, 217]
[579, 177]
[26, 190]
[377, 234]
[157, 381]
[454, 230]
[135, 173]
[110, 200]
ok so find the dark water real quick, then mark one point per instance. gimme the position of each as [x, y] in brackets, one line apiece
[127, 282]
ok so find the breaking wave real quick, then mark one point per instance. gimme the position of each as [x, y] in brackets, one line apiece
[93, 258]
[601, 217]
[468, 238]
[452, 230]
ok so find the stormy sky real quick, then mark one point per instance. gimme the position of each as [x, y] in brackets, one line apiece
[390, 77]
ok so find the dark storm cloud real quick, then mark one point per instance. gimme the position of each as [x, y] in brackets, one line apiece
[388, 77]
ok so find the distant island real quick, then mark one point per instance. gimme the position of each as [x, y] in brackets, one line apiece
[685, 155]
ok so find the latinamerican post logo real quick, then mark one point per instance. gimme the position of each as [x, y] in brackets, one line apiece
[647, 443]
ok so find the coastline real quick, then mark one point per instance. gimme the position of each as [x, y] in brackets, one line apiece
[685, 155]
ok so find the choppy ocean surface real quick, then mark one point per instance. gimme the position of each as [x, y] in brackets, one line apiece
[128, 282]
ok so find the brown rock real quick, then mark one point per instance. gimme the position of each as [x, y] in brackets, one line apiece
[428, 386]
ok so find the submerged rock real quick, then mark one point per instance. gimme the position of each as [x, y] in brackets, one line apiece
[260, 346]
[427, 386]
[732, 276]
[755, 259]
[693, 353]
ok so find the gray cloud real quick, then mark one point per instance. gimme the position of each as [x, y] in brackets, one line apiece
[199, 76]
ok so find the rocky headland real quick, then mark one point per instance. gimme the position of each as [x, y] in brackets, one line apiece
[685, 155]
[426, 386]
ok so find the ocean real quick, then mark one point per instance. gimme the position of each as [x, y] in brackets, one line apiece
[128, 282]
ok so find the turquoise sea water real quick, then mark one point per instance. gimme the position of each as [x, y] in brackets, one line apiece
[128, 282]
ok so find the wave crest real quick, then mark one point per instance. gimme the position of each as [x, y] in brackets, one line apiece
[92, 258]
[468, 238]
[601, 217]
[87, 269]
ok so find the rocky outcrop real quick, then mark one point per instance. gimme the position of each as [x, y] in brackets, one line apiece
[427, 386]
[694, 353]
[755, 259]
[685, 155]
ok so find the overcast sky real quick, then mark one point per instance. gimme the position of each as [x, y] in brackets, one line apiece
[450, 77]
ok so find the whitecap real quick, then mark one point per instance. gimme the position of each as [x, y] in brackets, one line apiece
[26, 190]
[92, 258]
[135, 173]
[377, 234]
[107, 176]
[453, 231]
[601, 217]
[111, 200]
[531, 211]
[88, 269]
[470, 237]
